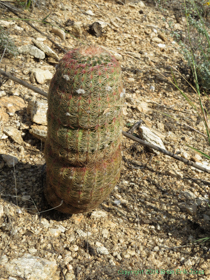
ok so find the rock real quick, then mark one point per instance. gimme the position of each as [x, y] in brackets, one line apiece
[102, 23]
[95, 29]
[131, 80]
[149, 136]
[188, 194]
[70, 276]
[4, 260]
[102, 250]
[2, 93]
[14, 133]
[74, 248]
[1, 211]
[41, 76]
[39, 131]
[190, 209]
[105, 233]
[81, 233]
[59, 32]
[12, 104]
[54, 232]
[162, 46]
[90, 13]
[6, 23]
[33, 268]
[37, 109]
[206, 218]
[143, 107]
[47, 50]
[98, 214]
[156, 40]
[10, 160]
[32, 50]
[117, 55]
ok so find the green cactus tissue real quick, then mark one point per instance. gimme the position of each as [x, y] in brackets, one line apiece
[83, 146]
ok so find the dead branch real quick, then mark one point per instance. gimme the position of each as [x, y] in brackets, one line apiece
[23, 83]
[144, 143]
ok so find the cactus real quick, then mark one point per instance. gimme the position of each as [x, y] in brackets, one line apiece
[82, 150]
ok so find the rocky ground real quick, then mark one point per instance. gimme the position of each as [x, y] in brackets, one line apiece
[147, 227]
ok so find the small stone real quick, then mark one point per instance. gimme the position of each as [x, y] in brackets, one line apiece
[32, 50]
[74, 248]
[70, 276]
[126, 255]
[141, 4]
[81, 233]
[67, 259]
[2, 93]
[105, 233]
[10, 160]
[102, 250]
[149, 136]
[54, 232]
[32, 251]
[41, 76]
[4, 259]
[45, 223]
[12, 103]
[59, 32]
[14, 133]
[90, 13]
[206, 217]
[33, 268]
[98, 214]
[156, 40]
[1, 211]
[188, 194]
[37, 109]
[156, 249]
[162, 46]
[47, 50]
[190, 209]
[39, 131]
[131, 80]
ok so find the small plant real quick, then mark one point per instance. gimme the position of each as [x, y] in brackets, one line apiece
[195, 43]
[25, 4]
[7, 46]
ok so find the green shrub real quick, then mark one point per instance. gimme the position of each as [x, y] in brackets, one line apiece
[195, 43]
[7, 46]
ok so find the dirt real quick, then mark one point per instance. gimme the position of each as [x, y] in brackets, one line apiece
[149, 225]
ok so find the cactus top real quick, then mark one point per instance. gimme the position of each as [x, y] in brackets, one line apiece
[86, 89]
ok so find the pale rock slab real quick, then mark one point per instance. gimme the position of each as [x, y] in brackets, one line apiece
[37, 109]
[98, 214]
[47, 50]
[10, 160]
[39, 131]
[33, 268]
[150, 137]
[41, 76]
[32, 50]
[12, 104]
[102, 250]
[14, 133]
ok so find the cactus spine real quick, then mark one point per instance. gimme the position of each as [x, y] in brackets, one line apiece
[82, 150]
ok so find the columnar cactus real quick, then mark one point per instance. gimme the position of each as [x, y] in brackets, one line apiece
[82, 150]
